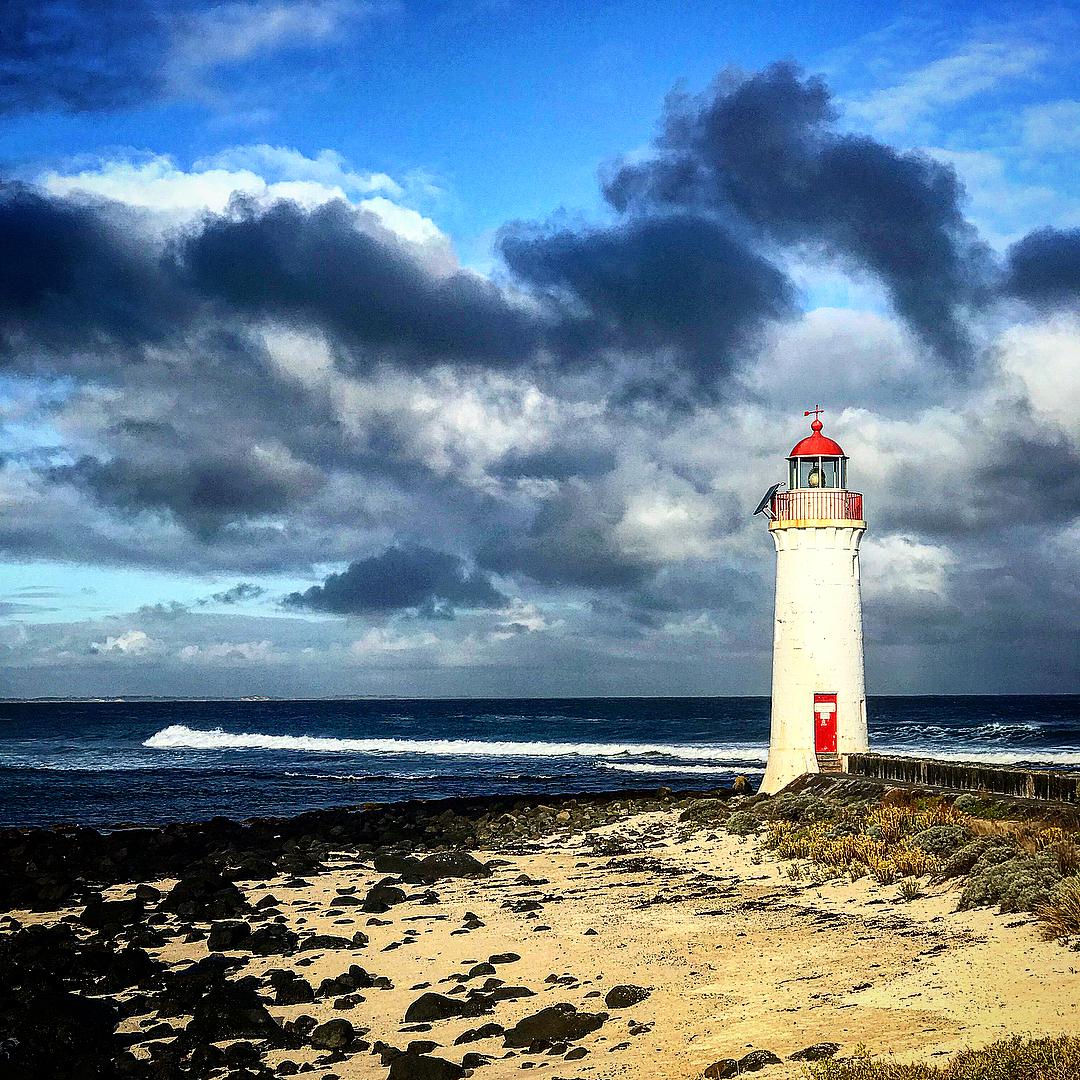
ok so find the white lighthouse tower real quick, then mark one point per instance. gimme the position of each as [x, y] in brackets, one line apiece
[818, 686]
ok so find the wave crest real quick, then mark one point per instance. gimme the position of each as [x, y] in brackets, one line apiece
[180, 737]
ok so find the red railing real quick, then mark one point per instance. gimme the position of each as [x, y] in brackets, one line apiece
[816, 506]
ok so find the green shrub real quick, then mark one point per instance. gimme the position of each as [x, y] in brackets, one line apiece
[743, 823]
[942, 840]
[801, 808]
[1021, 883]
[983, 852]
[984, 806]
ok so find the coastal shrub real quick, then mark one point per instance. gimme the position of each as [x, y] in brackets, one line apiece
[941, 840]
[706, 812]
[983, 806]
[743, 823]
[1060, 914]
[803, 808]
[983, 851]
[1055, 1058]
[1021, 883]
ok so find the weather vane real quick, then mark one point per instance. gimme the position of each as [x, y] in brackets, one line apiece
[817, 410]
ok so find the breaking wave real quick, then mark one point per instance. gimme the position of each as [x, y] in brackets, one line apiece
[179, 737]
[635, 767]
[1052, 757]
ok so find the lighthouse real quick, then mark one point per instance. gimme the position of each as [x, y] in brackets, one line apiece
[818, 685]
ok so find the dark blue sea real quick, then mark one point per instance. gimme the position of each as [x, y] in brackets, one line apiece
[106, 763]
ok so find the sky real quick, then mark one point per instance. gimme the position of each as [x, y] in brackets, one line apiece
[445, 349]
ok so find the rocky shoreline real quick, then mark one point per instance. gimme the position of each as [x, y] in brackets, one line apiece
[641, 934]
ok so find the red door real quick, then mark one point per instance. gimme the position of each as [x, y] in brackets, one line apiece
[825, 723]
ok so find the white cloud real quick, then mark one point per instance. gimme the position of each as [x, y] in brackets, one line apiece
[327, 167]
[1002, 208]
[380, 641]
[157, 184]
[522, 618]
[904, 564]
[129, 643]
[975, 69]
[230, 652]
[1052, 127]
[1045, 358]
[231, 32]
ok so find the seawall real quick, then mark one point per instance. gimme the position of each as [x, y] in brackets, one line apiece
[967, 776]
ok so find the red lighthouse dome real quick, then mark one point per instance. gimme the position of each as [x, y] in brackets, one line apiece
[817, 445]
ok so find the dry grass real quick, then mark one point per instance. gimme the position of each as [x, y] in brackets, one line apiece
[881, 841]
[1060, 915]
[1011, 1059]
[875, 841]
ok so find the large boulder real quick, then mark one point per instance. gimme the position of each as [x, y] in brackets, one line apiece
[225, 936]
[413, 1066]
[205, 896]
[109, 915]
[818, 1052]
[625, 996]
[333, 1035]
[431, 1006]
[560, 1023]
[382, 898]
[452, 864]
[274, 939]
[231, 1010]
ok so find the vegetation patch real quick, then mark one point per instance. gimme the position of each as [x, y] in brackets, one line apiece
[1011, 1059]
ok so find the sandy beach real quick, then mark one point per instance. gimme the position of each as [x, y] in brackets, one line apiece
[678, 944]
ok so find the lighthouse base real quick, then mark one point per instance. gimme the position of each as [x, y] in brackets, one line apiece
[787, 764]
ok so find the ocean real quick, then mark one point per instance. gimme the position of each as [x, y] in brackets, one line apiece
[108, 763]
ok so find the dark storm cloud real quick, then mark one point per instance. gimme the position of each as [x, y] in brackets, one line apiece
[407, 576]
[677, 283]
[558, 462]
[570, 542]
[1044, 268]
[75, 278]
[242, 590]
[204, 495]
[318, 268]
[81, 55]
[765, 150]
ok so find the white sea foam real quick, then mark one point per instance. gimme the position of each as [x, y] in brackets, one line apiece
[1028, 755]
[635, 767]
[179, 737]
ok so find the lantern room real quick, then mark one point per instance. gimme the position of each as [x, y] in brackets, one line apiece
[817, 462]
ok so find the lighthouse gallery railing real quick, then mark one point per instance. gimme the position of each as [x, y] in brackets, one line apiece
[817, 505]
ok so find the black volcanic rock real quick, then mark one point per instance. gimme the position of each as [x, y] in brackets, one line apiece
[557, 1023]
[412, 1066]
[107, 915]
[333, 1035]
[818, 1052]
[228, 935]
[452, 864]
[625, 996]
[432, 1006]
[232, 1010]
[382, 898]
[205, 896]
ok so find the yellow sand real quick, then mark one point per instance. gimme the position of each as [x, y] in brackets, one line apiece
[737, 957]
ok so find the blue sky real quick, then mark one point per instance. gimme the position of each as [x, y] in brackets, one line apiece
[443, 129]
